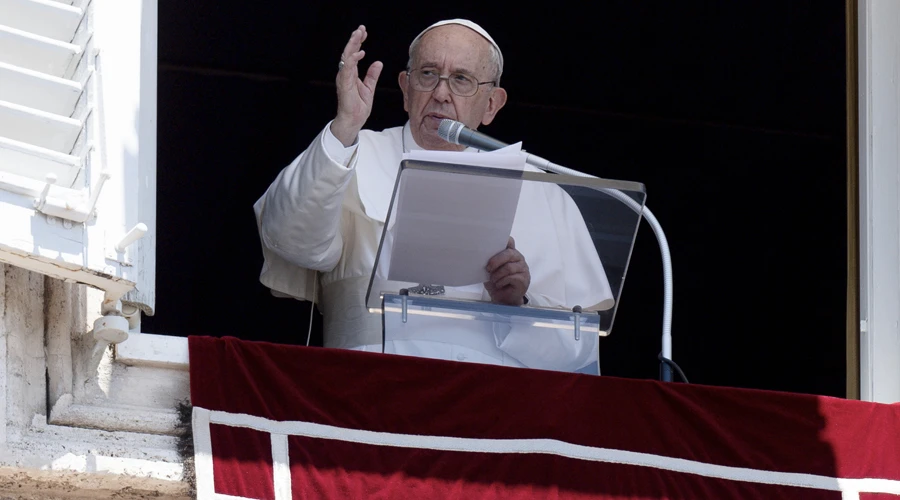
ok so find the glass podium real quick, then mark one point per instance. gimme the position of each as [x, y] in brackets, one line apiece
[444, 224]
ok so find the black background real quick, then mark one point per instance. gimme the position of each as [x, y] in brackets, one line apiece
[732, 113]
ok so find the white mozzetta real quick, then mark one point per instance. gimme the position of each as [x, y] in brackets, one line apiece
[39, 128]
[38, 91]
[879, 210]
[42, 17]
[35, 52]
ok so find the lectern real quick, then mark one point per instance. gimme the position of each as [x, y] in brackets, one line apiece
[444, 223]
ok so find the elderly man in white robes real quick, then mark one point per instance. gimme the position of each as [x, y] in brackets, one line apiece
[321, 220]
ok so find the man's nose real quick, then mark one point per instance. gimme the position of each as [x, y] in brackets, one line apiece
[441, 93]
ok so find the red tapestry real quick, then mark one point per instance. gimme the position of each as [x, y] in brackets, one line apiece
[277, 422]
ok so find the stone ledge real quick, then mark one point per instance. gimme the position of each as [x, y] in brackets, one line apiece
[28, 484]
[48, 461]
[114, 418]
[147, 349]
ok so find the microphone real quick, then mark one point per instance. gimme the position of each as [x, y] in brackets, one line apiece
[455, 132]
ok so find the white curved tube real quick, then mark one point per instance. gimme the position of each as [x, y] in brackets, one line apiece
[543, 164]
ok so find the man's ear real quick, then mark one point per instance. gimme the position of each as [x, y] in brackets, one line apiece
[403, 80]
[496, 102]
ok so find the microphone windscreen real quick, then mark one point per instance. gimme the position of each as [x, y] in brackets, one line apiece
[449, 130]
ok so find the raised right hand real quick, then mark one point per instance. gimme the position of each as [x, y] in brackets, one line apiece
[355, 95]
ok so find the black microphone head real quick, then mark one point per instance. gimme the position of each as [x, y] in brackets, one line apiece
[449, 130]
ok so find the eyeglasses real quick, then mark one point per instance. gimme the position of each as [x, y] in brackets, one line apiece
[426, 80]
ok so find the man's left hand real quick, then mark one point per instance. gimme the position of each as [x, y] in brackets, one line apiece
[509, 276]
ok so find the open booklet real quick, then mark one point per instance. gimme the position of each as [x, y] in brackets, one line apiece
[460, 221]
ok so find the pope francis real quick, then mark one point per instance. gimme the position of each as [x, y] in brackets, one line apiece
[321, 220]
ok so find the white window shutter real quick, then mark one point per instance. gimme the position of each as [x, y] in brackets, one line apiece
[78, 142]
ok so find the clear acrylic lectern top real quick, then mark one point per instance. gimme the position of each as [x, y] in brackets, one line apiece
[446, 221]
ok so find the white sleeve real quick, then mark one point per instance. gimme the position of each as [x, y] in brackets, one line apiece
[335, 149]
[301, 218]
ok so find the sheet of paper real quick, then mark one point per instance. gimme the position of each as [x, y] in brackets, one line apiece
[445, 227]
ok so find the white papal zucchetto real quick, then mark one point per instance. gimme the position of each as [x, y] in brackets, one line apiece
[462, 22]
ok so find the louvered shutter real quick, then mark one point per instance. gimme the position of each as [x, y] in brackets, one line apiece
[78, 142]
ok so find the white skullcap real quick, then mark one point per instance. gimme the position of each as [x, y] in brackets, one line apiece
[462, 22]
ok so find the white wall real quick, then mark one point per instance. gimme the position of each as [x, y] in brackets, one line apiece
[879, 195]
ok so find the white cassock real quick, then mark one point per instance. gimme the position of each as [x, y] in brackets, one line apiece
[325, 214]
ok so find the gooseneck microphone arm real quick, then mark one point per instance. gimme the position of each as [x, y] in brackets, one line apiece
[455, 132]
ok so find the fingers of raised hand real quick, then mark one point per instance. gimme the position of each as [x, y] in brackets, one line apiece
[352, 52]
[356, 40]
[349, 62]
[373, 74]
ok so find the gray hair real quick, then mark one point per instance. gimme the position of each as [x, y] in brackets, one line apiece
[494, 59]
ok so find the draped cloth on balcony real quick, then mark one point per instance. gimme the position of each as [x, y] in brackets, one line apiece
[279, 422]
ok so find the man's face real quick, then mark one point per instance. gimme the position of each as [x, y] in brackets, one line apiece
[445, 50]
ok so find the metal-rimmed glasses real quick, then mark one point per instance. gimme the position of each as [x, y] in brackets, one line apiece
[461, 84]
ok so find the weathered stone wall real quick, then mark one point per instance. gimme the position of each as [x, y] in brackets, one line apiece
[75, 423]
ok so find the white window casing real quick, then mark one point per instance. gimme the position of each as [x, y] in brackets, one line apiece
[879, 195]
[77, 203]
[78, 144]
